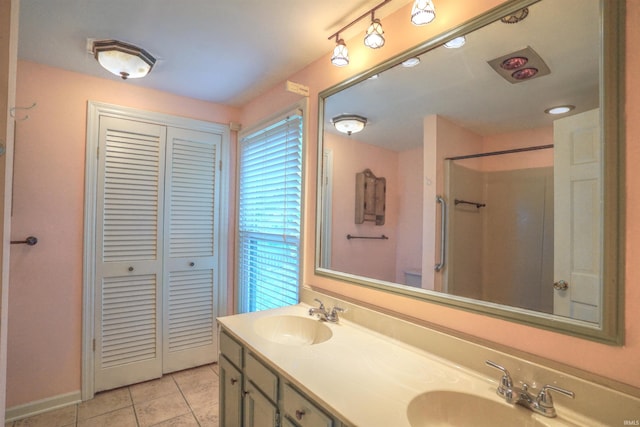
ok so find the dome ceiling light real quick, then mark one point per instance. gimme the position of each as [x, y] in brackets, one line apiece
[123, 59]
[349, 123]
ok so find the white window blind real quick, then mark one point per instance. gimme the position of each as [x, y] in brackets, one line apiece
[269, 213]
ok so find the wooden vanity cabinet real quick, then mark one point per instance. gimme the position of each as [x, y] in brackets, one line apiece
[253, 395]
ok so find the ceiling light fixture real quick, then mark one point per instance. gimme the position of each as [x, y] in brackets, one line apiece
[373, 38]
[349, 123]
[340, 56]
[456, 43]
[411, 62]
[560, 109]
[422, 12]
[123, 59]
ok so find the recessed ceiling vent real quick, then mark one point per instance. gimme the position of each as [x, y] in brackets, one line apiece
[520, 66]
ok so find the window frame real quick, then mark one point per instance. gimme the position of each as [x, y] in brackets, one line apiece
[299, 108]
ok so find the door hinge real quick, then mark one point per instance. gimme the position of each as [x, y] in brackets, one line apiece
[220, 165]
[98, 152]
[94, 344]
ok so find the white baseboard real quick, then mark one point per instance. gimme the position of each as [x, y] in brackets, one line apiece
[39, 406]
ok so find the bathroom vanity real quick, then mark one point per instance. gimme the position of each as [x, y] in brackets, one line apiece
[285, 367]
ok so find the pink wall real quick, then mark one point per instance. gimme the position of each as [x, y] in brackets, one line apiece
[409, 250]
[443, 139]
[619, 363]
[527, 138]
[46, 280]
[357, 256]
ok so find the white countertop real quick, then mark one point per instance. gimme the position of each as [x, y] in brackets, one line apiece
[363, 377]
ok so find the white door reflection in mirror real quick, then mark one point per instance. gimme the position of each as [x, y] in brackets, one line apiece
[578, 216]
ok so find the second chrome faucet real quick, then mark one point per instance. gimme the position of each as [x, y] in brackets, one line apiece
[324, 314]
[541, 404]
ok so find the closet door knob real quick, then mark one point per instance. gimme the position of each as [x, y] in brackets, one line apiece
[191, 264]
[130, 268]
[299, 414]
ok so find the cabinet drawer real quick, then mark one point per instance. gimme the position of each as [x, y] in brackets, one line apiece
[261, 376]
[305, 413]
[231, 349]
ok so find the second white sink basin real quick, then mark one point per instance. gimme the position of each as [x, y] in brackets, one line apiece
[450, 408]
[292, 330]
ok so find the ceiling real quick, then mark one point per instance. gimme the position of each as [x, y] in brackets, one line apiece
[230, 51]
[222, 51]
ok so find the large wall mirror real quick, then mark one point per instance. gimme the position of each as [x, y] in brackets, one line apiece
[463, 189]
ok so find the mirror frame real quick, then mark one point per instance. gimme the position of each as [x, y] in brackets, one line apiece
[612, 72]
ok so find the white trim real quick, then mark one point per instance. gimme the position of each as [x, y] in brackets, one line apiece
[327, 208]
[40, 406]
[94, 111]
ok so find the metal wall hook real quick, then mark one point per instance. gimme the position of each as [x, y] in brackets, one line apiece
[29, 241]
[12, 112]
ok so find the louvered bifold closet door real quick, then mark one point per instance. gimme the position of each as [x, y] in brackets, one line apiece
[192, 199]
[129, 253]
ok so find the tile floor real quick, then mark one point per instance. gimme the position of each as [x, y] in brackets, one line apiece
[182, 399]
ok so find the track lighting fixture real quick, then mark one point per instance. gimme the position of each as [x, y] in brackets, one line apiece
[374, 37]
[340, 56]
[422, 12]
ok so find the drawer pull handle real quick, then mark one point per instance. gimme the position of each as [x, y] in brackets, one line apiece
[233, 381]
[299, 414]
[131, 269]
[192, 264]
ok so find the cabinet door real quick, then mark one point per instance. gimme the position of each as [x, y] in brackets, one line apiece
[258, 410]
[230, 394]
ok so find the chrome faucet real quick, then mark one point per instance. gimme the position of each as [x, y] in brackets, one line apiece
[324, 314]
[541, 404]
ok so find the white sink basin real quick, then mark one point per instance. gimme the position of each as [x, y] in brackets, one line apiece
[292, 330]
[450, 408]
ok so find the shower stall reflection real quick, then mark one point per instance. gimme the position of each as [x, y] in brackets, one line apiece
[500, 227]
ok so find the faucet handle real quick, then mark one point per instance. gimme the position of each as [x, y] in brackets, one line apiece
[333, 315]
[319, 302]
[505, 389]
[544, 398]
